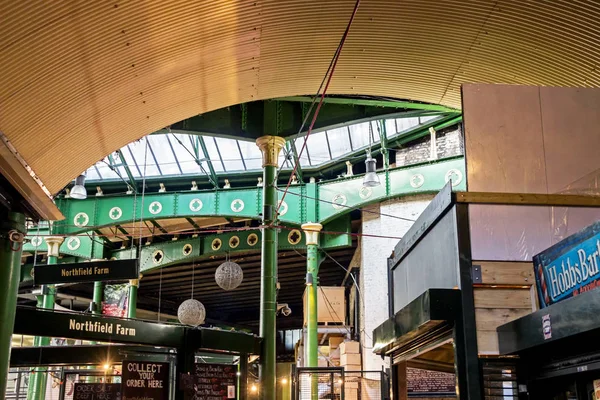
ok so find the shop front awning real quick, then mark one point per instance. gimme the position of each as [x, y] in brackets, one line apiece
[424, 321]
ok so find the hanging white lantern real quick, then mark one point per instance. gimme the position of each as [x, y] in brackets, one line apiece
[229, 275]
[191, 312]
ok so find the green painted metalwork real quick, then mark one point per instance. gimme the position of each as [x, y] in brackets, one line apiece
[374, 103]
[315, 202]
[97, 298]
[40, 376]
[10, 265]
[284, 116]
[132, 301]
[83, 246]
[312, 269]
[268, 285]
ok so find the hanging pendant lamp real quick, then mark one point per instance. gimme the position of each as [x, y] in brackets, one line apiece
[79, 192]
[371, 178]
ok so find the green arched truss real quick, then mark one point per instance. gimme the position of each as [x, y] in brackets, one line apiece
[312, 202]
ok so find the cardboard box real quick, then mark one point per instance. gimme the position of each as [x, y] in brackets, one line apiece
[349, 348]
[334, 342]
[352, 367]
[348, 358]
[351, 394]
[350, 385]
[331, 304]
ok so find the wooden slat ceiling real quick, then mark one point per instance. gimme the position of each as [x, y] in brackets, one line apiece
[83, 78]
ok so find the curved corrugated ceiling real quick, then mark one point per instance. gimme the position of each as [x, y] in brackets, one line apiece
[80, 79]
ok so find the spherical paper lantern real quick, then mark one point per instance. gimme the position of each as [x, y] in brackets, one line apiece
[191, 312]
[229, 275]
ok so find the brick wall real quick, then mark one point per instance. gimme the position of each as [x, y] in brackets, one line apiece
[448, 143]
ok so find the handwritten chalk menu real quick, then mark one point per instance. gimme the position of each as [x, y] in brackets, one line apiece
[424, 381]
[214, 382]
[97, 391]
[145, 380]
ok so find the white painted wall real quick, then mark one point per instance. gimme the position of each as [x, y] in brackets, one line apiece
[374, 253]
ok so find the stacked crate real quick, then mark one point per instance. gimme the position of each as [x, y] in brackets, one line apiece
[350, 356]
[334, 350]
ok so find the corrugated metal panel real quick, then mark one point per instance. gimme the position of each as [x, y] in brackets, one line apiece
[83, 78]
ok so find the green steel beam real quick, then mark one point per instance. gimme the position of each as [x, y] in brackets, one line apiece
[387, 103]
[187, 250]
[291, 146]
[284, 117]
[346, 194]
[328, 169]
[213, 175]
[115, 165]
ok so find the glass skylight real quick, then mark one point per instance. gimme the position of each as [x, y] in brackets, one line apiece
[175, 154]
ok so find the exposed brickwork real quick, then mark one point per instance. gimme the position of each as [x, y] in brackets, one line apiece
[448, 143]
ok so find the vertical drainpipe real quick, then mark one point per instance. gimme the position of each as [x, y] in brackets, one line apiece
[40, 375]
[12, 227]
[270, 147]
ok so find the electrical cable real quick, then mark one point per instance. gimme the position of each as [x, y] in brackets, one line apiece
[316, 114]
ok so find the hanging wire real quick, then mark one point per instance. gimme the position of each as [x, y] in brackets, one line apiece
[336, 57]
[193, 270]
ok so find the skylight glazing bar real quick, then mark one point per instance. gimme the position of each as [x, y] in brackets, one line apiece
[153, 156]
[174, 154]
[350, 138]
[219, 153]
[134, 160]
[237, 142]
[328, 146]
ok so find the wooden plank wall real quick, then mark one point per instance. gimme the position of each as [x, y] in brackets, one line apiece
[506, 292]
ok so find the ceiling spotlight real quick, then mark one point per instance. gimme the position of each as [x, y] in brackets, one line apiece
[106, 366]
[284, 381]
[371, 179]
[254, 388]
[78, 192]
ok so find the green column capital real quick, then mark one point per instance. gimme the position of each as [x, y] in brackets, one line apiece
[311, 231]
[54, 243]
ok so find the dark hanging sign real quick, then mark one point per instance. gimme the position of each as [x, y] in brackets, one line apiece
[570, 267]
[30, 321]
[97, 391]
[92, 271]
[145, 380]
[211, 381]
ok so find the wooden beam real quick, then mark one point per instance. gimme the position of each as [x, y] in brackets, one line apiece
[528, 199]
[502, 298]
[505, 273]
[24, 180]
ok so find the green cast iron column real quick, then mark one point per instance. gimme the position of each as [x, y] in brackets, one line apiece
[97, 298]
[311, 231]
[40, 377]
[270, 147]
[10, 274]
[132, 298]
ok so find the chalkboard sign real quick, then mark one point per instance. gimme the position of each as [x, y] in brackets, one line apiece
[431, 382]
[211, 382]
[97, 391]
[145, 380]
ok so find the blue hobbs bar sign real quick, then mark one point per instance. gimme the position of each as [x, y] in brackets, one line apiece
[570, 267]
